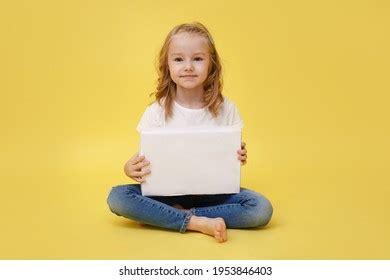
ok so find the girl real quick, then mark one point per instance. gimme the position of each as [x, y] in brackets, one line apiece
[189, 93]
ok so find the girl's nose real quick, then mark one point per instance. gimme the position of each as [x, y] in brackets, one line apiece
[188, 66]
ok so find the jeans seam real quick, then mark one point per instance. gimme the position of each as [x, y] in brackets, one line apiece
[221, 207]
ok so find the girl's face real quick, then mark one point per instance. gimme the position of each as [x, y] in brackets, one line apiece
[188, 60]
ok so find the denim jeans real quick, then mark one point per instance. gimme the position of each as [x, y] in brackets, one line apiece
[245, 209]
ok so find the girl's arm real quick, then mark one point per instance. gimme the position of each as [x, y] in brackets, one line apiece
[133, 168]
[242, 154]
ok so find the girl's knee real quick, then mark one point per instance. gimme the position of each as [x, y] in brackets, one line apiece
[114, 198]
[117, 194]
[261, 212]
[265, 212]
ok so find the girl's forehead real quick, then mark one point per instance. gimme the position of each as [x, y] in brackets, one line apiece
[188, 42]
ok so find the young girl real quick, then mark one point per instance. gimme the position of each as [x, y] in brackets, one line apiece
[189, 93]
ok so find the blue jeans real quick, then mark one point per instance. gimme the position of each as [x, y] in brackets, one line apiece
[245, 209]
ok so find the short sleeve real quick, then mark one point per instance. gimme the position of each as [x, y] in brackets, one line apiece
[233, 116]
[150, 119]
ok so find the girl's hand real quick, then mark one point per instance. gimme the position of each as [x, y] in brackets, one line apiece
[242, 154]
[133, 168]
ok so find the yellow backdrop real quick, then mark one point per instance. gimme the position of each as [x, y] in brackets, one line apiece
[311, 80]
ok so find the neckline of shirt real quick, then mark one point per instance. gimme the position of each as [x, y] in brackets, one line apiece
[188, 109]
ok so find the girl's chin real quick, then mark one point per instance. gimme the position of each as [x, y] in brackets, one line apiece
[187, 88]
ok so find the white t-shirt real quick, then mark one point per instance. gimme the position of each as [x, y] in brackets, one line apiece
[154, 116]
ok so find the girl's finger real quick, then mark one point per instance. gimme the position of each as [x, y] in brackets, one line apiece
[242, 158]
[141, 179]
[138, 179]
[145, 172]
[243, 144]
[141, 164]
[136, 158]
[138, 173]
[140, 159]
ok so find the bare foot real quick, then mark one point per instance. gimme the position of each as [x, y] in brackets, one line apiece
[212, 226]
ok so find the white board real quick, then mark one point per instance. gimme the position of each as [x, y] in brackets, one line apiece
[196, 161]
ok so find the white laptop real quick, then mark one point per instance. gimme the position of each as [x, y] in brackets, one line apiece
[191, 161]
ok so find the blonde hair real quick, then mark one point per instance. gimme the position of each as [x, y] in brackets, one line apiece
[166, 87]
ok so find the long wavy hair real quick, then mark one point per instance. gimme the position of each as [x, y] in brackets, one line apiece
[212, 86]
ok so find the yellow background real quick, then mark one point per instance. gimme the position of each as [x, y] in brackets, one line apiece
[310, 78]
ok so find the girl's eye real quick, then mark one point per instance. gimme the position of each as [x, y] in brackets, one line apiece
[178, 59]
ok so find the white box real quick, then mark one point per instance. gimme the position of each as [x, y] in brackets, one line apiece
[196, 161]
